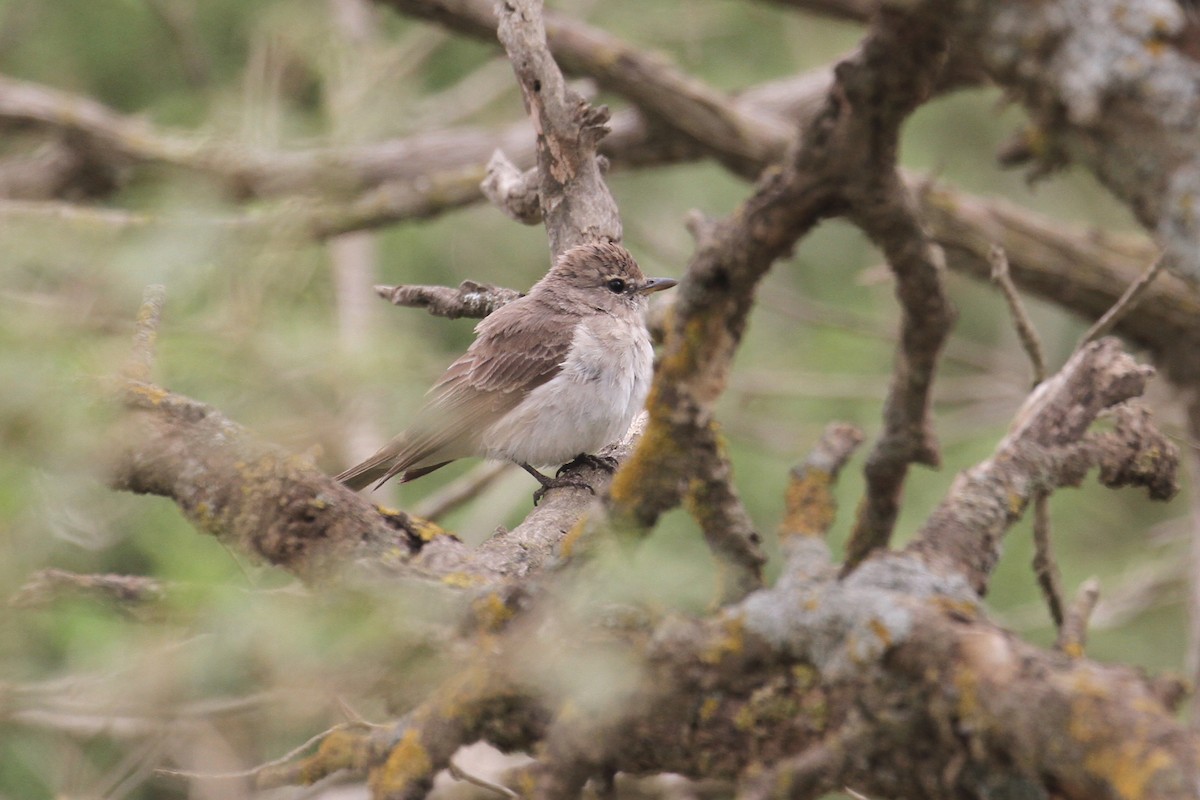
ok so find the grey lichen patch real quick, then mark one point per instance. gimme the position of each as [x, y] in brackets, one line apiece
[835, 626]
[840, 626]
[1089, 63]
[912, 577]
[1179, 228]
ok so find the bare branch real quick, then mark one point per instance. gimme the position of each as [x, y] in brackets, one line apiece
[1083, 271]
[512, 191]
[1026, 331]
[470, 299]
[1047, 448]
[128, 592]
[1045, 566]
[576, 204]
[714, 502]
[1125, 304]
[741, 138]
[900, 61]
[1072, 631]
[716, 295]
[140, 363]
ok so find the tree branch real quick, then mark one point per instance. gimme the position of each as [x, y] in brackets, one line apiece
[1047, 448]
[1103, 85]
[576, 205]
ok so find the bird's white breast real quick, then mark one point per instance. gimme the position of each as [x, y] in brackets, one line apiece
[590, 403]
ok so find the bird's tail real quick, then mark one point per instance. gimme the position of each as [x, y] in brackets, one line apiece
[380, 468]
[366, 473]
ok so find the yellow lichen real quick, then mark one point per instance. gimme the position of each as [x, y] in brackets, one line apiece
[804, 676]
[1128, 766]
[709, 708]
[425, 530]
[744, 719]
[461, 580]
[731, 640]
[966, 684]
[491, 611]
[957, 607]
[880, 630]
[810, 505]
[408, 762]
[152, 394]
[342, 749]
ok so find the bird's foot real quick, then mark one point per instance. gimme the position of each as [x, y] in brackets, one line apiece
[606, 463]
[556, 482]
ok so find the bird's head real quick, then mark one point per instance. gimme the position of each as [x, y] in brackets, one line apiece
[603, 275]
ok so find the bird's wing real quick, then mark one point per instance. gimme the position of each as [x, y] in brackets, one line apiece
[515, 352]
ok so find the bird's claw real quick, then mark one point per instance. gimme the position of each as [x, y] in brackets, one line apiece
[606, 463]
[561, 483]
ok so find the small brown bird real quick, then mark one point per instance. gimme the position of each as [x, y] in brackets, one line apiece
[553, 375]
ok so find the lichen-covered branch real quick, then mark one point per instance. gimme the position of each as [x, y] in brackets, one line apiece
[1047, 447]
[1107, 89]
[261, 500]
[810, 507]
[833, 163]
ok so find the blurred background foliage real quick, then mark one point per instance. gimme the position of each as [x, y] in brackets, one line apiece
[253, 326]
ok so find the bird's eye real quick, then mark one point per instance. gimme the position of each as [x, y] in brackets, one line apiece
[616, 285]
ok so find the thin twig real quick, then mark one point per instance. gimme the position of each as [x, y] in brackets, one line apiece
[1192, 658]
[1125, 304]
[1045, 567]
[254, 771]
[128, 591]
[460, 491]
[140, 363]
[458, 773]
[1025, 329]
[1072, 635]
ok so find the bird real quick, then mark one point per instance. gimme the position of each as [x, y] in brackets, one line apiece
[551, 377]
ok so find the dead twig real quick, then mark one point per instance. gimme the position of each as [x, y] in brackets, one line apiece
[140, 363]
[460, 774]
[131, 593]
[469, 299]
[1045, 567]
[1072, 632]
[1026, 331]
[461, 490]
[274, 763]
[1125, 303]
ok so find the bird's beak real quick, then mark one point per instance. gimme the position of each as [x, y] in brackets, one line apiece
[656, 285]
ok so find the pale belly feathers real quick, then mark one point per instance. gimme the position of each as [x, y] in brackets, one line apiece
[591, 403]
